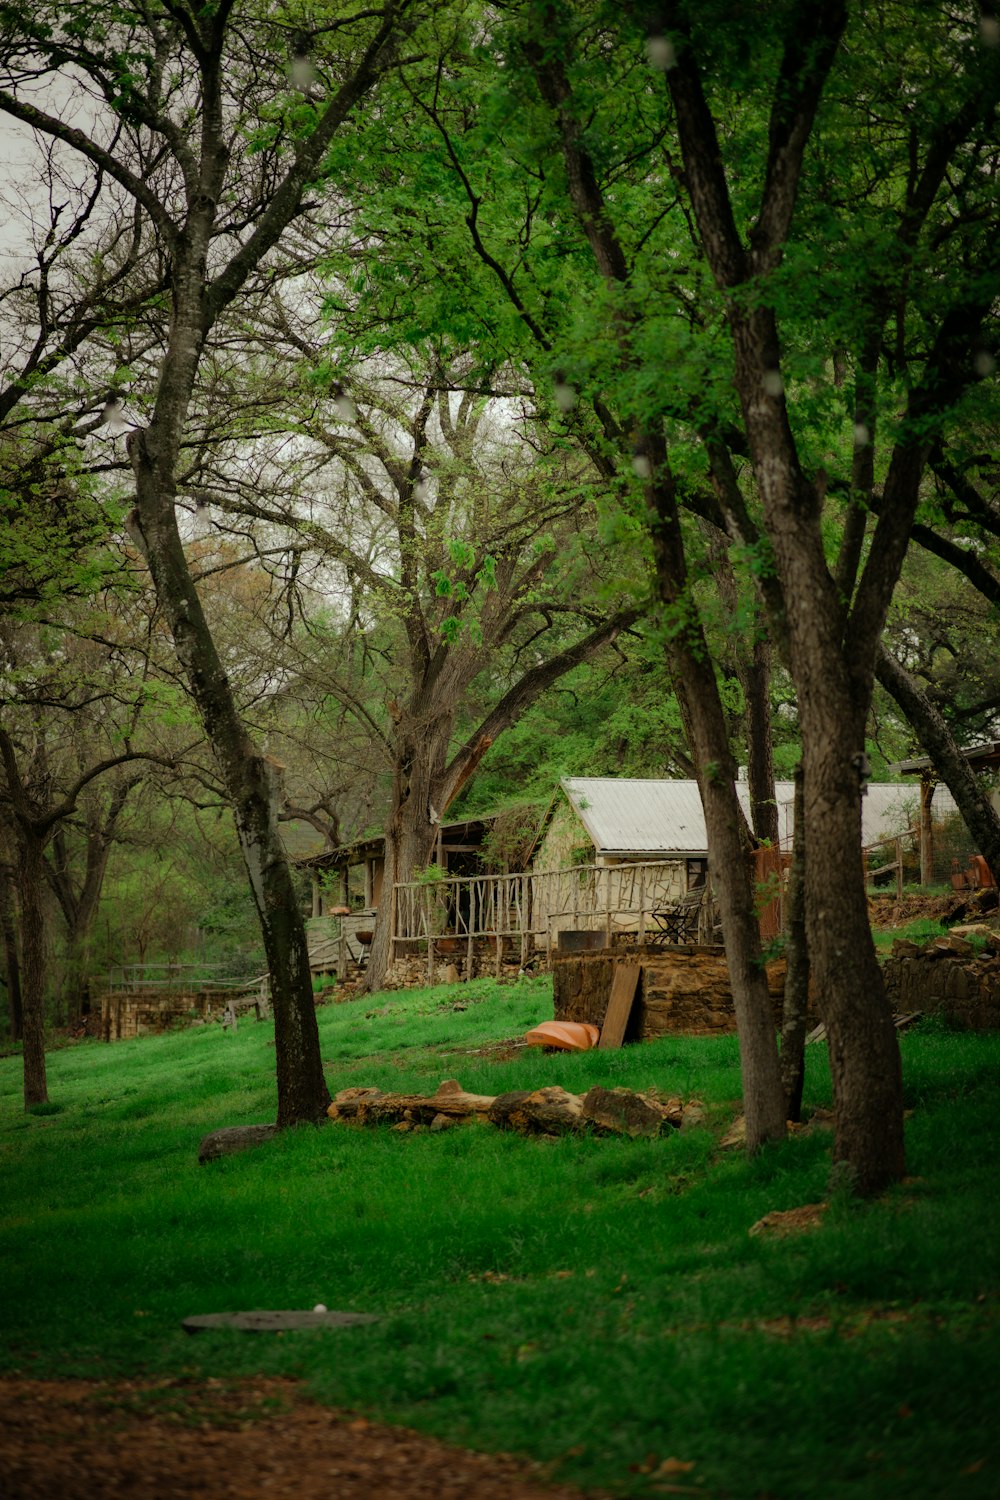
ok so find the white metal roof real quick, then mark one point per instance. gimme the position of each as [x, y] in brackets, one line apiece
[628, 815]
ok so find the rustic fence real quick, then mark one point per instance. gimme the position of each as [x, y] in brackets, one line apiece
[516, 915]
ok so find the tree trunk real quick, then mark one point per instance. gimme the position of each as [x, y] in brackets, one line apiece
[752, 668]
[75, 988]
[252, 788]
[755, 679]
[12, 963]
[949, 762]
[864, 1048]
[31, 879]
[729, 866]
[728, 852]
[796, 1004]
[412, 828]
[833, 680]
[79, 905]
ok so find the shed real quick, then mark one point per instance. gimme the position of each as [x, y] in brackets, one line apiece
[981, 758]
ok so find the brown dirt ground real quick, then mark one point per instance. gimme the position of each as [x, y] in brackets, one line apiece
[956, 906]
[235, 1440]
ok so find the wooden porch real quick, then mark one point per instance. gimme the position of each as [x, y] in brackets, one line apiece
[483, 922]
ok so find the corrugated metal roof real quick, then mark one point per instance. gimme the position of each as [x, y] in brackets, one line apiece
[629, 815]
[986, 754]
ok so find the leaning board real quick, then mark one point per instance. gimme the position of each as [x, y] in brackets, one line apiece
[623, 988]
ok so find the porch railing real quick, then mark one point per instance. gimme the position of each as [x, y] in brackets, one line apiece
[522, 913]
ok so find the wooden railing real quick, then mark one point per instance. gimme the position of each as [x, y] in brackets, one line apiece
[893, 866]
[522, 913]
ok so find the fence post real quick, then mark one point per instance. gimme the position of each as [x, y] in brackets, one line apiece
[393, 921]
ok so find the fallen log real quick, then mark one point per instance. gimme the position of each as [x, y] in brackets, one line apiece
[546, 1111]
[626, 1113]
[372, 1107]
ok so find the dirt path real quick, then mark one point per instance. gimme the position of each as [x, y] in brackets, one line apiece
[235, 1440]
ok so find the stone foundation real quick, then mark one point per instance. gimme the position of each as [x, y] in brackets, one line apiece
[681, 990]
[125, 1014]
[450, 965]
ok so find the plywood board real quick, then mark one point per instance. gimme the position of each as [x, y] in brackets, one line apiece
[623, 988]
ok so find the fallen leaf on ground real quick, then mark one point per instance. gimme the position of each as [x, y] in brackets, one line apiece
[672, 1466]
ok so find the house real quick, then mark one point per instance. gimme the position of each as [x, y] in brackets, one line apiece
[617, 820]
[347, 881]
[614, 857]
[645, 842]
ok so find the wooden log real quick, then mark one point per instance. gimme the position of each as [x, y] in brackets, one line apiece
[545, 1111]
[233, 1138]
[503, 1105]
[345, 1104]
[372, 1107]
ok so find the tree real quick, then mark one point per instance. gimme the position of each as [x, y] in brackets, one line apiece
[532, 326]
[34, 807]
[198, 127]
[833, 621]
[728, 245]
[455, 532]
[979, 815]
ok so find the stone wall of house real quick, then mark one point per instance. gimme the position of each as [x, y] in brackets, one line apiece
[946, 977]
[565, 841]
[681, 989]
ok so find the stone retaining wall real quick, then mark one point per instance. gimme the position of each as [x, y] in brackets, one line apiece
[126, 1014]
[947, 978]
[681, 989]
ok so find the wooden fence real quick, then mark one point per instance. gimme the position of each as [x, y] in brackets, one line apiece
[518, 914]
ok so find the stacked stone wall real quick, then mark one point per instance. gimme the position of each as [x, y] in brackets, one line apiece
[947, 978]
[681, 990]
[125, 1014]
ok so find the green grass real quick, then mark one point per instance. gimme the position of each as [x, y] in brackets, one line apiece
[921, 930]
[595, 1304]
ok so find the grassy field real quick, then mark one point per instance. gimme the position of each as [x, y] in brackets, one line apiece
[597, 1304]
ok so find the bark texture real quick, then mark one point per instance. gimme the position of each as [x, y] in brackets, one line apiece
[29, 831]
[728, 838]
[12, 962]
[796, 1002]
[31, 883]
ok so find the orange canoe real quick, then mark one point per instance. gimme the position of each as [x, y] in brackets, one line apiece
[571, 1036]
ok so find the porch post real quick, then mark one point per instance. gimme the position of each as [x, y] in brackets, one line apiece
[927, 784]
